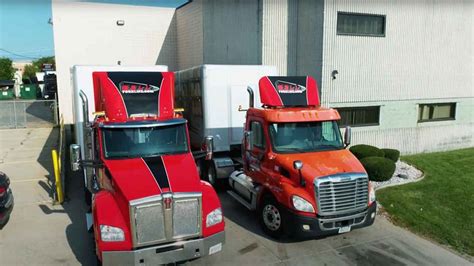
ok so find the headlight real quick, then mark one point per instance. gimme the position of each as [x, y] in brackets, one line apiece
[371, 194]
[301, 204]
[214, 217]
[111, 234]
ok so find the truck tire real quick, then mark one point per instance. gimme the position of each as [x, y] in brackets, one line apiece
[271, 217]
[87, 197]
[98, 262]
[211, 173]
[211, 177]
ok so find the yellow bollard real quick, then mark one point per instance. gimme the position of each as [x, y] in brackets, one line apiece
[57, 176]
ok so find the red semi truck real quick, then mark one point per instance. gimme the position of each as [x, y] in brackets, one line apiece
[149, 205]
[295, 170]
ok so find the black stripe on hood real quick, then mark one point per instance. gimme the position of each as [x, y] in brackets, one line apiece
[158, 170]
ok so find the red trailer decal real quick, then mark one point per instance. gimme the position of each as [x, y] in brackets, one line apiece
[124, 95]
[288, 91]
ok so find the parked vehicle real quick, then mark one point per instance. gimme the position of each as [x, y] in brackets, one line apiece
[50, 88]
[149, 204]
[6, 199]
[211, 96]
[294, 169]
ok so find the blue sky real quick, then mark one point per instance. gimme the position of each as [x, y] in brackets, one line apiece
[25, 33]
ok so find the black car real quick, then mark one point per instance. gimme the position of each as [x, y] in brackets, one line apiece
[6, 199]
[50, 86]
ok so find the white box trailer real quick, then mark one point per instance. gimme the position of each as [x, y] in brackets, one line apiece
[211, 96]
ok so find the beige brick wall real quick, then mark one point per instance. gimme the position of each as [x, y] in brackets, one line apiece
[190, 35]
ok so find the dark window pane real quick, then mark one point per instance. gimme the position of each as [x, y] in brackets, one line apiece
[360, 24]
[145, 142]
[359, 116]
[257, 134]
[436, 112]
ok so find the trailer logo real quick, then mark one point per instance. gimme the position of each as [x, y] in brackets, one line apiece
[127, 87]
[288, 87]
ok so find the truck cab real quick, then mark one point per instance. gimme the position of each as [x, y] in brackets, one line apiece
[296, 172]
[149, 205]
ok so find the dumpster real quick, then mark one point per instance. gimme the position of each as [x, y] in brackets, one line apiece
[28, 91]
[6, 89]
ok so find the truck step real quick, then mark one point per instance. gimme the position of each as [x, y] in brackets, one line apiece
[240, 199]
[238, 161]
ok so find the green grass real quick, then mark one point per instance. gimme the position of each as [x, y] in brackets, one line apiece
[441, 206]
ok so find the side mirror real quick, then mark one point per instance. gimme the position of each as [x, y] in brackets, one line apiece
[248, 138]
[298, 165]
[75, 155]
[209, 145]
[347, 136]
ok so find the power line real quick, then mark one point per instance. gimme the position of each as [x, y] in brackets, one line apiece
[12, 53]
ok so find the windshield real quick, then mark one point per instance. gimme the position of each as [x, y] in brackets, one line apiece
[305, 136]
[144, 142]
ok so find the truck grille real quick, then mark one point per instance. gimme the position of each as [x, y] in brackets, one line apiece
[340, 194]
[165, 218]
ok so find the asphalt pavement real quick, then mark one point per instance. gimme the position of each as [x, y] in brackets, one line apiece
[40, 233]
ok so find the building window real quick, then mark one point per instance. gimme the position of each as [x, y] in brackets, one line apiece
[359, 116]
[360, 24]
[436, 112]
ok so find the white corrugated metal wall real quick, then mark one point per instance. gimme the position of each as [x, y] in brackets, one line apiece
[275, 34]
[426, 56]
[426, 53]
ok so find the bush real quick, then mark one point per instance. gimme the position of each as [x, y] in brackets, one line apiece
[362, 151]
[391, 154]
[378, 168]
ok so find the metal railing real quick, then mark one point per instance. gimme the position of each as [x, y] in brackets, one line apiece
[28, 113]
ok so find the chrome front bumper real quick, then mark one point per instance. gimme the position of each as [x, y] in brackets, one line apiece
[167, 253]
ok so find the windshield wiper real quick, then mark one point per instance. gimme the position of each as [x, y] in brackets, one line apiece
[327, 147]
[292, 149]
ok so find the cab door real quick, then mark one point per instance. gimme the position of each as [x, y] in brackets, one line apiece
[255, 154]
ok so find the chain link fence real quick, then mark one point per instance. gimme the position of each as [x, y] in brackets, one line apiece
[28, 113]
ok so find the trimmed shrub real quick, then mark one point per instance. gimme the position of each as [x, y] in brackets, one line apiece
[378, 168]
[391, 154]
[362, 151]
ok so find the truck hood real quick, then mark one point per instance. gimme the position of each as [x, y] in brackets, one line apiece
[143, 177]
[319, 164]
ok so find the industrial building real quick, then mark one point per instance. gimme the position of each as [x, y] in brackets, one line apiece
[400, 72]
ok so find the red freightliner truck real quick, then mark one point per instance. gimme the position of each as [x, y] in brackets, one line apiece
[292, 166]
[149, 205]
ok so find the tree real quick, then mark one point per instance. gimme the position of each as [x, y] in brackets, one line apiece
[29, 71]
[6, 69]
[43, 60]
[37, 65]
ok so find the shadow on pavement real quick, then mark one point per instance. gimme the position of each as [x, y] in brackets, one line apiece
[39, 113]
[79, 239]
[240, 215]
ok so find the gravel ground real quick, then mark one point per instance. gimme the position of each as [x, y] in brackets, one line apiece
[404, 173]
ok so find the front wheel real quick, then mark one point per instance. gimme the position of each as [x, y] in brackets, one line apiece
[271, 217]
